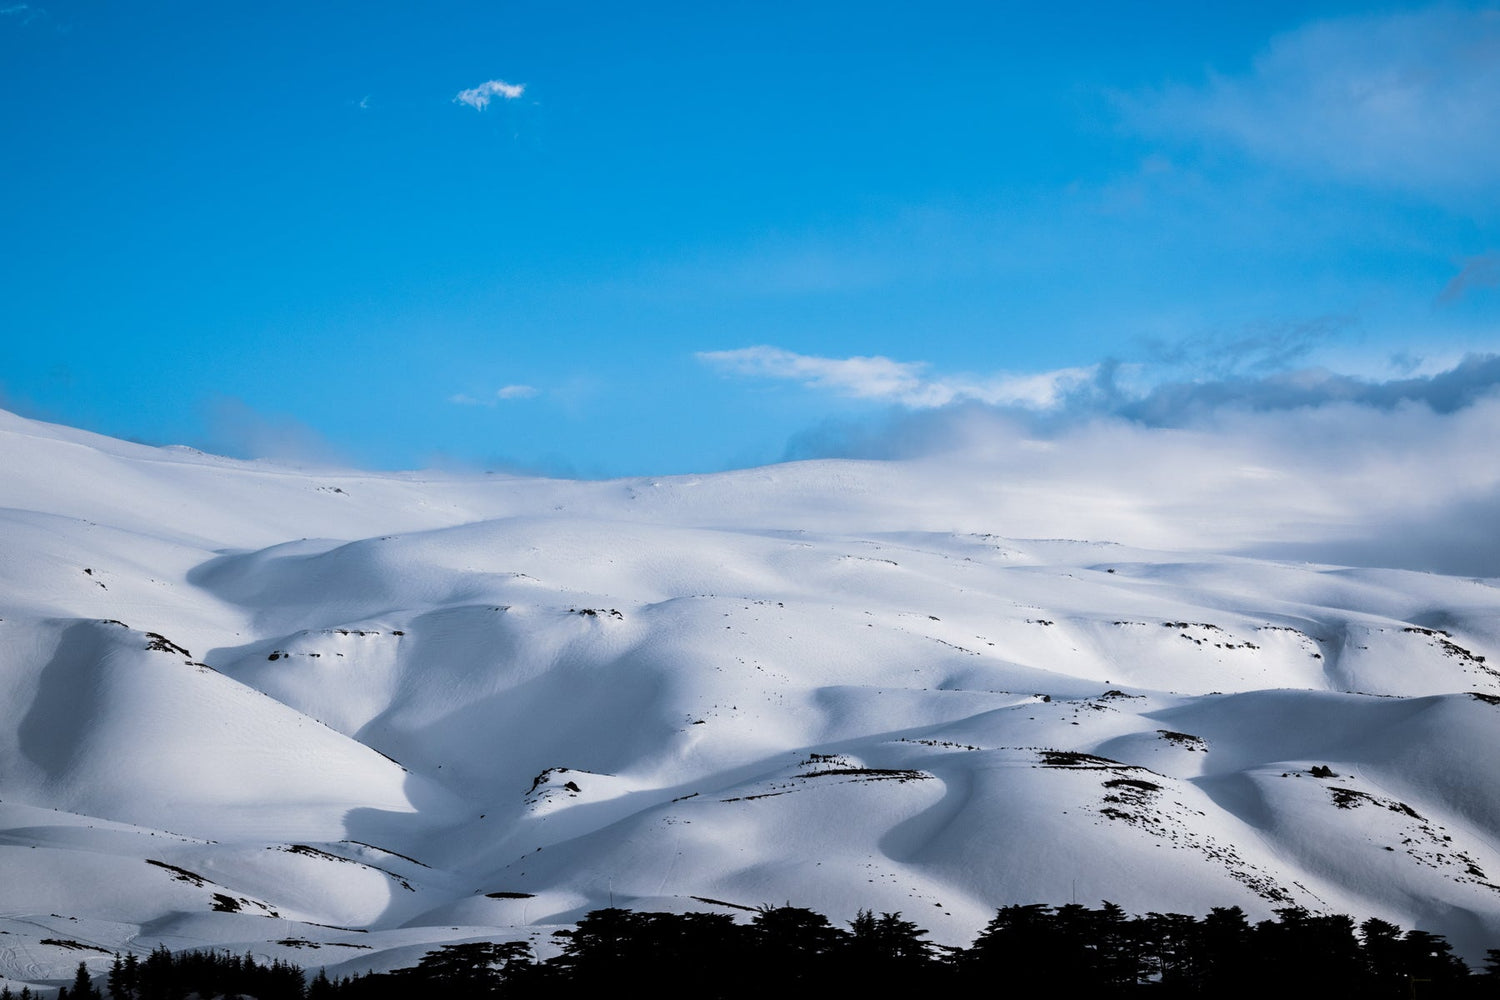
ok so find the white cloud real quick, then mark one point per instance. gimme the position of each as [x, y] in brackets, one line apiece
[905, 383]
[1304, 465]
[1403, 100]
[1343, 483]
[506, 392]
[479, 97]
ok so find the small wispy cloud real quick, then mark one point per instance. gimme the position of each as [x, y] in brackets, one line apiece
[1264, 347]
[24, 12]
[1402, 100]
[905, 383]
[506, 392]
[1477, 272]
[479, 97]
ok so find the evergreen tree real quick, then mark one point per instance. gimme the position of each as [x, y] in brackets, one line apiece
[1430, 960]
[115, 981]
[321, 988]
[1170, 950]
[793, 949]
[1032, 949]
[1385, 958]
[1116, 960]
[1304, 955]
[1226, 962]
[475, 969]
[885, 952]
[83, 985]
[131, 979]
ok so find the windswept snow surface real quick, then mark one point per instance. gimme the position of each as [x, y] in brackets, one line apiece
[341, 717]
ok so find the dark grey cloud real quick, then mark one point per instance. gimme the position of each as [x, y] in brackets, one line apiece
[1179, 403]
[900, 433]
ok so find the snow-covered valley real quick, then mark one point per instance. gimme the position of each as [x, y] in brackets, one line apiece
[336, 717]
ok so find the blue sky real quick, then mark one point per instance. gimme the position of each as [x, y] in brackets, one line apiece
[683, 237]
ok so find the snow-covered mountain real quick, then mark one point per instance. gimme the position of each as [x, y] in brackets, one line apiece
[336, 717]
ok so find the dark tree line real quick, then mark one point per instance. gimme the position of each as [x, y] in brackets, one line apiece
[788, 952]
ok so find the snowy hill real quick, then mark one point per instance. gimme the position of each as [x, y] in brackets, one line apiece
[335, 716]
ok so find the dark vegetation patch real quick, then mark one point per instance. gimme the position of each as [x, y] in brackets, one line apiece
[313, 852]
[510, 895]
[156, 642]
[1349, 798]
[542, 783]
[1449, 647]
[305, 943]
[751, 798]
[596, 612]
[1488, 699]
[786, 951]
[72, 945]
[222, 902]
[385, 850]
[1185, 740]
[1132, 800]
[868, 774]
[950, 645]
[1077, 760]
[947, 744]
[181, 874]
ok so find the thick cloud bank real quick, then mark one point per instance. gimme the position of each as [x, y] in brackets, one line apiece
[1307, 465]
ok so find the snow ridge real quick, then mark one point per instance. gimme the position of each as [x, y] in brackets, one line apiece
[283, 710]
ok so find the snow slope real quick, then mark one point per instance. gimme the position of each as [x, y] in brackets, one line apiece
[337, 717]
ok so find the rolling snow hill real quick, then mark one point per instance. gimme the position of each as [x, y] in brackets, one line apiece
[337, 717]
